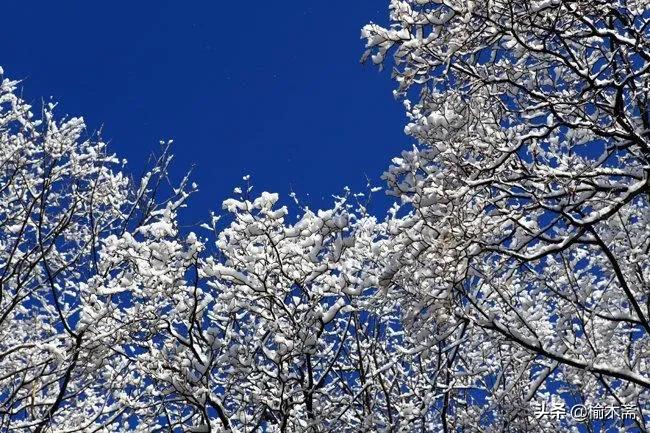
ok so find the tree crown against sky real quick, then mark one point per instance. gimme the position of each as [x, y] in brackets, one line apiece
[511, 270]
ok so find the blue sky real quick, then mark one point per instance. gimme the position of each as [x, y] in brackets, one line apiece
[271, 89]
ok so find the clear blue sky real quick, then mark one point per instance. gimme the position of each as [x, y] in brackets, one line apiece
[271, 89]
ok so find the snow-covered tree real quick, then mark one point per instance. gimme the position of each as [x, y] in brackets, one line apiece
[526, 235]
[273, 335]
[81, 268]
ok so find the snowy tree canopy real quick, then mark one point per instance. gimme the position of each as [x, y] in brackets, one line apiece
[527, 236]
[512, 270]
